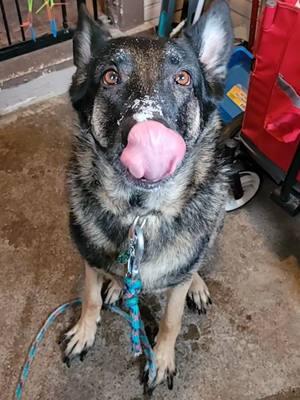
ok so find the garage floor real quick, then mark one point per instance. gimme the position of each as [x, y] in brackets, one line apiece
[246, 348]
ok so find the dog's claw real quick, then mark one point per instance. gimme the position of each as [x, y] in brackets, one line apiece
[83, 355]
[170, 378]
[145, 377]
[63, 339]
[71, 351]
[148, 386]
[191, 304]
[148, 390]
[67, 361]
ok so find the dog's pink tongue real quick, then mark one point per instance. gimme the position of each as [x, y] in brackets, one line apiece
[153, 151]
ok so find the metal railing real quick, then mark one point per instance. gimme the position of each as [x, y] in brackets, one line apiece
[55, 21]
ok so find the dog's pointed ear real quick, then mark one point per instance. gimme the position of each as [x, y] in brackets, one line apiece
[88, 37]
[212, 38]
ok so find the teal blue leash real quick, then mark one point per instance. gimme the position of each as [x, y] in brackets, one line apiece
[132, 288]
[37, 340]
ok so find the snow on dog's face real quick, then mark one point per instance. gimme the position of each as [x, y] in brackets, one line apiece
[146, 101]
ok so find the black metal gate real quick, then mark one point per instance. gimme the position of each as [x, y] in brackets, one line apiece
[25, 28]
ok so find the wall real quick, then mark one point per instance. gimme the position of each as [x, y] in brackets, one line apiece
[152, 10]
[240, 12]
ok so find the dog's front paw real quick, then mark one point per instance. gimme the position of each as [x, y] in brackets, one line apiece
[79, 340]
[166, 370]
[198, 297]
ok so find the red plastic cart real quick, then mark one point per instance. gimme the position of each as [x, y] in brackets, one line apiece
[271, 127]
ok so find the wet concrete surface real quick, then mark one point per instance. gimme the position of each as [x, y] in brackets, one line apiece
[245, 348]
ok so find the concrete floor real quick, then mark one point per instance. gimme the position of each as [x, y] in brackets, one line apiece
[246, 348]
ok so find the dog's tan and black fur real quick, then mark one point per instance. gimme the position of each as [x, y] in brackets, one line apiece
[183, 212]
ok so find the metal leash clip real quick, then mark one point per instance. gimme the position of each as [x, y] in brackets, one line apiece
[136, 248]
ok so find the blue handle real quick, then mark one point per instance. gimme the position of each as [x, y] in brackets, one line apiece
[166, 17]
[53, 27]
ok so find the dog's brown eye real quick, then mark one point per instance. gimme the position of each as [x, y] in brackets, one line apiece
[111, 77]
[183, 78]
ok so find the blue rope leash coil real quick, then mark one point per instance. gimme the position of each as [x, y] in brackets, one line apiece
[132, 288]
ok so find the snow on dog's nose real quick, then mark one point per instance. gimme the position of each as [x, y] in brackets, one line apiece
[153, 151]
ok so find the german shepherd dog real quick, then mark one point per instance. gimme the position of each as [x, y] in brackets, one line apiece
[148, 146]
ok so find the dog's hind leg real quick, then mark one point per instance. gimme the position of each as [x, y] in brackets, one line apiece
[198, 297]
[169, 329]
[82, 336]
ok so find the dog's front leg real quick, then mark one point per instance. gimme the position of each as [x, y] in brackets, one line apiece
[82, 336]
[169, 329]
